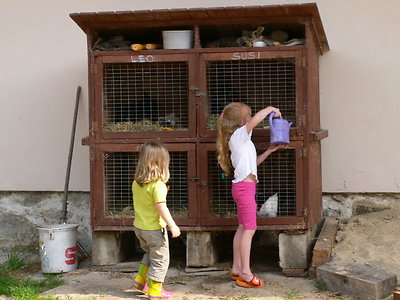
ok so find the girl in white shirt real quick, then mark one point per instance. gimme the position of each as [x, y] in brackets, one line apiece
[237, 153]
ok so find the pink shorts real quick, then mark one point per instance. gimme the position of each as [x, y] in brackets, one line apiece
[244, 193]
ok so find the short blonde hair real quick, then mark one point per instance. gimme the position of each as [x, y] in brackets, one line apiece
[231, 119]
[153, 163]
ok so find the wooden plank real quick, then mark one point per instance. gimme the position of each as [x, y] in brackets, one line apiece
[234, 12]
[144, 16]
[253, 11]
[198, 14]
[125, 16]
[324, 245]
[180, 14]
[162, 15]
[360, 281]
[129, 227]
[107, 16]
[217, 13]
[273, 10]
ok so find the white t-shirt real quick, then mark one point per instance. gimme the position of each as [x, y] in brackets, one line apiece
[243, 154]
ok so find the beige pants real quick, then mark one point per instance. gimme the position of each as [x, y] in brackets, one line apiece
[156, 247]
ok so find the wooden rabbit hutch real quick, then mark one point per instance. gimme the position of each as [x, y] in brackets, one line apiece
[176, 95]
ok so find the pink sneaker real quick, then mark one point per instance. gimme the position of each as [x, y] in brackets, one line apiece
[164, 292]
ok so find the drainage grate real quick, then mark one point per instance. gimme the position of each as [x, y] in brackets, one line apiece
[258, 83]
[145, 97]
[119, 170]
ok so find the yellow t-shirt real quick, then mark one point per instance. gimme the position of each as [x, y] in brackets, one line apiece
[144, 200]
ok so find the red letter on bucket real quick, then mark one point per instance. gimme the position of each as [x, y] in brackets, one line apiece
[70, 254]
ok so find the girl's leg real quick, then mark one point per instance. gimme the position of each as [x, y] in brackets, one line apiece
[159, 262]
[244, 195]
[158, 254]
[140, 279]
[245, 249]
[237, 265]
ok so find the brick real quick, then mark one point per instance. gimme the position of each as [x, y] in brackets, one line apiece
[294, 272]
[324, 245]
[295, 249]
[200, 249]
[396, 295]
[359, 281]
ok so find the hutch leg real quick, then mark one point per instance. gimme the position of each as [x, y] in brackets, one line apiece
[201, 250]
[108, 248]
[295, 249]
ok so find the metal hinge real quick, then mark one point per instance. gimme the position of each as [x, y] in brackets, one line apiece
[93, 128]
[302, 119]
[93, 68]
[305, 211]
[303, 152]
[303, 61]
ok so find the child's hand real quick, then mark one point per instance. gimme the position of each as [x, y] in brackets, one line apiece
[175, 231]
[276, 111]
[274, 147]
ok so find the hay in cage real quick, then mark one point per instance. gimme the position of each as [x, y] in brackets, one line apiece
[143, 125]
[212, 121]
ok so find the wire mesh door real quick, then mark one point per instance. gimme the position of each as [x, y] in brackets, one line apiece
[118, 175]
[278, 195]
[145, 97]
[259, 79]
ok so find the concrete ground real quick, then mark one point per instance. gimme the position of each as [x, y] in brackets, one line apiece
[114, 283]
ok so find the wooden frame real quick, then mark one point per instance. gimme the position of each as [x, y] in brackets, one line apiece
[305, 137]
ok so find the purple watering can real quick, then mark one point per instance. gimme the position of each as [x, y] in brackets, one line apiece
[279, 130]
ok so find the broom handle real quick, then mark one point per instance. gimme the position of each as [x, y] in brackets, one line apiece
[71, 149]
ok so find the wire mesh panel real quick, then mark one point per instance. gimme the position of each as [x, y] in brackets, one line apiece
[119, 169]
[276, 190]
[221, 203]
[145, 96]
[258, 83]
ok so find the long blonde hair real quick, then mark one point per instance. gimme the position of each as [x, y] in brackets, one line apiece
[153, 163]
[230, 119]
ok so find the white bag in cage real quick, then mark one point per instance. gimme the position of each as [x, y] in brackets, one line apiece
[270, 207]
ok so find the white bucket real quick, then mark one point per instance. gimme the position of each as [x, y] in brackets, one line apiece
[177, 39]
[58, 248]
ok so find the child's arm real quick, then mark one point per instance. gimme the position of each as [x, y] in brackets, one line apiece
[261, 115]
[166, 215]
[271, 148]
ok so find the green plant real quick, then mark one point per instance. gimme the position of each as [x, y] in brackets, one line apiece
[320, 285]
[15, 282]
[293, 295]
[15, 260]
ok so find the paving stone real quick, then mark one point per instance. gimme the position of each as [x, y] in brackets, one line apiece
[359, 281]
[396, 293]
[200, 249]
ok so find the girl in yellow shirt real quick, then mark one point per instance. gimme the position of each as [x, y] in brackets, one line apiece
[151, 218]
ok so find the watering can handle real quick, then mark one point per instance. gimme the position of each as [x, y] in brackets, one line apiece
[271, 116]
